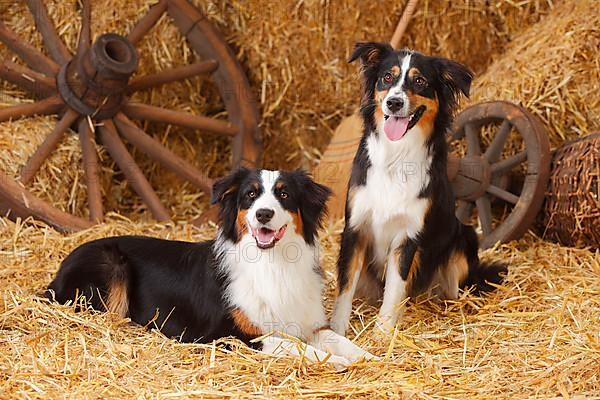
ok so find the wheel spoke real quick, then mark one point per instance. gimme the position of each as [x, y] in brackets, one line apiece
[35, 59]
[204, 38]
[502, 194]
[90, 168]
[47, 147]
[484, 210]
[156, 151]
[506, 165]
[157, 114]
[38, 84]
[493, 152]
[57, 49]
[51, 105]
[133, 173]
[473, 146]
[463, 211]
[22, 203]
[85, 35]
[147, 22]
[172, 75]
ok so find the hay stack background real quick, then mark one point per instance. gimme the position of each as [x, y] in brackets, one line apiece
[553, 69]
[535, 337]
[295, 56]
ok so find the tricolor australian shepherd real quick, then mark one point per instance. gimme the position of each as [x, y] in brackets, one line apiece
[260, 275]
[401, 236]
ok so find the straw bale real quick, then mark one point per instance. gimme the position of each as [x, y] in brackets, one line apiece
[294, 54]
[535, 337]
[553, 69]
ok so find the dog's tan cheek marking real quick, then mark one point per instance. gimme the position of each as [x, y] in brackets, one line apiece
[244, 324]
[428, 117]
[297, 219]
[242, 225]
[118, 302]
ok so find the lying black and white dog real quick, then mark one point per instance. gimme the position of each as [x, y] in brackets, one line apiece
[401, 236]
[260, 275]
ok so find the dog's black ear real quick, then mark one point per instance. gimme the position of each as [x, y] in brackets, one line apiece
[313, 206]
[454, 78]
[225, 192]
[227, 186]
[370, 53]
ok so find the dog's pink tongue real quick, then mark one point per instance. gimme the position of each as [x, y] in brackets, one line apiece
[395, 127]
[265, 235]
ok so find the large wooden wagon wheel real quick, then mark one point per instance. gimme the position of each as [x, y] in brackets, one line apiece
[505, 188]
[89, 91]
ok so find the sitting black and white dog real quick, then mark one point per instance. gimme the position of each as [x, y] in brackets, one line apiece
[260, 275]
[401, 236]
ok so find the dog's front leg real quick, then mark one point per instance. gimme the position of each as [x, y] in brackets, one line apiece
[401, 266]
[350, 263]
[336, 344]
[278, 346]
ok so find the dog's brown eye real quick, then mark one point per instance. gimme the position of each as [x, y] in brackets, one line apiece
[252, 194]
[388, 78]
[420, 81]
[283, 195]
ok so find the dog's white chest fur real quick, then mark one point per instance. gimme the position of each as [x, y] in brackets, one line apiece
[389, 205]
[278, 289]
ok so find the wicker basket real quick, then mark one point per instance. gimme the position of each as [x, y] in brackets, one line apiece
[571, 213]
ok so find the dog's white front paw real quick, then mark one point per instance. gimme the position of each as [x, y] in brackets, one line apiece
[338, 362]
[370, 357]
[352, 351]
[384, 327]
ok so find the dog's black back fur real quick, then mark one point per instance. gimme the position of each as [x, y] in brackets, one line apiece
[165, 282]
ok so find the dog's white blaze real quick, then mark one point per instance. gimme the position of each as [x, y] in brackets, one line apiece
[388, 206]
[396, 90]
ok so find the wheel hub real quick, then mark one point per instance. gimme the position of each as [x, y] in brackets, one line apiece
[95, 82]
[472, 178]
[89, 93]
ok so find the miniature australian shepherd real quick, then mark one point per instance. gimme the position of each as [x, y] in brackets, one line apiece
[401, 236]
[260, 275]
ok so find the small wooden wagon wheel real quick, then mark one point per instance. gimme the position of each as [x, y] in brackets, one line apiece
[91, 88]
[486, 180]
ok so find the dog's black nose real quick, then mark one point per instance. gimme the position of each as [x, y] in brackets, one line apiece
[395, 104]
[264, 215]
